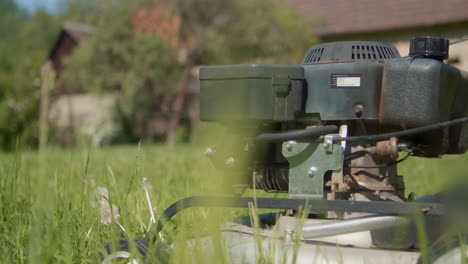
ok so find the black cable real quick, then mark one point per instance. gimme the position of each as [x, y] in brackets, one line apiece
[379, 165]
[298, 134]
[355, 155]
[407, 132]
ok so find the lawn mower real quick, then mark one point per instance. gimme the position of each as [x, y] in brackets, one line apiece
[330, 133]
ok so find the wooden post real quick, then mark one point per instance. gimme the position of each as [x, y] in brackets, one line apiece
[47, 84]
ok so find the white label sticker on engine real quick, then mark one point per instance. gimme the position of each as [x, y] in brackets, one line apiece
[348, 81]
[345, 80]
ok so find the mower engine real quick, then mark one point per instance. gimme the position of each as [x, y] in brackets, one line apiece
[342, 89]
[335, 127]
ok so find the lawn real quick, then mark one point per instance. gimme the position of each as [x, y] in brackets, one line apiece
[48, 200]
[49, 206]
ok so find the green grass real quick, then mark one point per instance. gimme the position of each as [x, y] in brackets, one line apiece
[47, 213]
[46, 200]
[426, 176]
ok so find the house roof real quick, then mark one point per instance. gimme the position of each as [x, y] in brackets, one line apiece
[356, 16]
[78, 32]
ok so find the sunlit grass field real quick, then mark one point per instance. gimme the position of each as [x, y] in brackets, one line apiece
[49, 208]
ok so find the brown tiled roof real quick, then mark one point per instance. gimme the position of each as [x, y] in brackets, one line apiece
[354, 16]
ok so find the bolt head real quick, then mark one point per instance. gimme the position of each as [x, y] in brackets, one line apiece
[358, 110]
[290, 145]
[312, 171]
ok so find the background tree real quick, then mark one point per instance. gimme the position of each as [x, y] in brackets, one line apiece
[25, 41]
[236, 31]
[136, 67]
[147, 52]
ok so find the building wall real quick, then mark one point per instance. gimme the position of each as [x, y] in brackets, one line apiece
[84, 115]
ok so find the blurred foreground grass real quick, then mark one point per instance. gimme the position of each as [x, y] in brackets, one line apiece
[48, 200]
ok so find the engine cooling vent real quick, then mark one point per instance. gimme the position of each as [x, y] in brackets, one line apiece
[313, 56]
[371, 52]
[350, 51]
